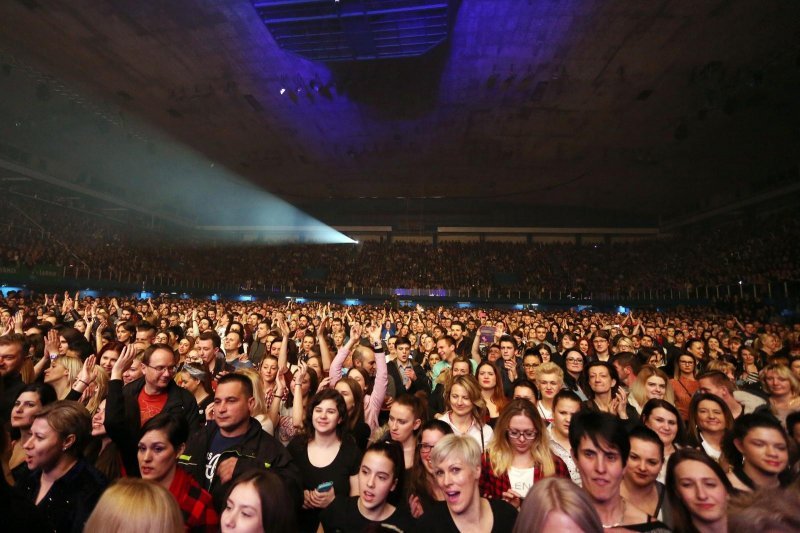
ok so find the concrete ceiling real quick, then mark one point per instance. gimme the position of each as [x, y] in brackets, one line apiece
[536, 112]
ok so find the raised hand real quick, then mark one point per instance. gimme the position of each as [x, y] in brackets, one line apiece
[124, 362]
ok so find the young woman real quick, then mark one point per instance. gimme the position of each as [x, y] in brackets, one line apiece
[605, 393]
[291, 419]
[101, 452]
[196, 379]
[556, 504]
[519, 456]
[466, 411]
[185, 346]
[650, 383]
[325, 454]
[354, 399]
[749, 368]
[457, 467]
[405, 418]
[663, 418]
[640, 485]
[549, 380]
[530, 363]
[379, 476]
[710, 420]
[134, 505]
[783, 389]
[62, 374]
[422, 487]
[259, 410]
[758, 450]
[133, 372]
[585, 346]
[491, 390]
[684, 383]
[698, 492]
[63, 486]
[574, 363]
[108, 355]
[30, 401]
[257, 501]
[565, 405]
[161, 442]
[269, 372]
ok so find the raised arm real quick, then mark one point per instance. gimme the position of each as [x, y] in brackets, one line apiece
[335, 372]
[476, 347]
[381, 376]
[325, 352]
[297, 390]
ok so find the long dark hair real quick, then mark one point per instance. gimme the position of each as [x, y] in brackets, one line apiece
[655, 403]
[358, 402]
[393, 451]
[318, 398]
[418, 483]
[681, 517]
[277, 508]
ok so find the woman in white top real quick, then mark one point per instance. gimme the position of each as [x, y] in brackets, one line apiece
[466, 410]
[710, 420]
[549, 381]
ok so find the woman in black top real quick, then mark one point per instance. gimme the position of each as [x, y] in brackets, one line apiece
[380, 475]
[325, 454]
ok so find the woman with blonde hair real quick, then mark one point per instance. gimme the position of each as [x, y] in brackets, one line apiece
[466, 410]
[783, 389]
[557, 504]
[259, 411]
[62, 374]
[651, 382]
[134, 505]
[519, 456]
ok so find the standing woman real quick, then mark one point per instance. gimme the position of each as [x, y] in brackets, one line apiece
[698, 491]
[710, 420]
[491, 390]
[62, 485]
[783, 389]
[519, 456]
[684, 383]
[62, 374]
[326, 455]
[651, 382]
[457, 467]
[354, 399]
[303, 385]
[605, 393]
[380, 475]
[565, 405]
[30, 401]
[405, 417]
[758, 450]
[466, 411]
[422, 487]
[196, 379]
[574, 362]
[663, 418]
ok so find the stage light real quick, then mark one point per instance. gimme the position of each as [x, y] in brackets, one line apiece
[283, 90]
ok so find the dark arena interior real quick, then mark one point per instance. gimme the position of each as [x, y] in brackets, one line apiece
[364, 265]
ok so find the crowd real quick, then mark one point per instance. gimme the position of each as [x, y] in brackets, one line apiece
[190, 415]
[753, 250]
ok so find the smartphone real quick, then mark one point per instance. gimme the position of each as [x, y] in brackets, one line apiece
[325, 487]
[487, 334]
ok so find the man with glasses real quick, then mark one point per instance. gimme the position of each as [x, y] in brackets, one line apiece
[600, 343]
[129, 407]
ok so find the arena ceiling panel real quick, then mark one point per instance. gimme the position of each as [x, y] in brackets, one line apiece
[535, 112]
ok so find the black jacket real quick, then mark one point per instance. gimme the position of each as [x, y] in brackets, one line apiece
[259, 449]
[419, 384]
[123, 419]
[10, 387]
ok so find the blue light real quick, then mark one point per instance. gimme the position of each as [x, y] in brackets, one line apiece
[464, 305]
[245, 298]
[622, 310]
[145, 295]
[352, 302]
[214, 297]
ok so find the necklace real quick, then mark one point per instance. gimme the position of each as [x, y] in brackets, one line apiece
[621, 518]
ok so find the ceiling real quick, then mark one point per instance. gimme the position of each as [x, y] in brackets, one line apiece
[534, 113]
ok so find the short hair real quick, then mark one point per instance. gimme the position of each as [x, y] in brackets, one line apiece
[277, 508]
[16, 338]
[646, 434]
[211, 335]
[448, 339]
[458, 323]
[132, 505]
[792, 420]
[462, 446]
[176, 428]
[69, 418]
[402, 341]
[526, 383]
[150, 350]
[630, 359]
[742, 426]
[244, 381]
[146, 327]
[719, 379]
[561, 496]
[598, 426]
[508, 338]
[564, 395]
[550, 368]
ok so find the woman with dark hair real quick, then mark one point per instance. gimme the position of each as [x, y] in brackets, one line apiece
[256, 502]
[566, 343]
[663, 418]
[519, 455]
[162, 440]
[380, 475]
[757, 448]
[491, 384]
[423, 491]
[698, 491]
[102, 452]
[108, 355]
[605, 393]
[64, 487]
[354, 399]
[196, 379]
[30, 401]
[405, 417]
[710, 420]
[326, 455]
[684, 383]
[303, 385]
[574, 363]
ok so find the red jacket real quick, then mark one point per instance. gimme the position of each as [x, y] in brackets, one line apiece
[196, 504]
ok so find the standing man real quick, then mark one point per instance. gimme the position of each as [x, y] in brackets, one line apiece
[13, 349]
[408, 377]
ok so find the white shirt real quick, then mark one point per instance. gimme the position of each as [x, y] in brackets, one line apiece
[474, 431]
[521, 480]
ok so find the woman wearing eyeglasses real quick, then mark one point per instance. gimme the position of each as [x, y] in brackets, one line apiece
[685, 383]
[519, 456]
[423, 490]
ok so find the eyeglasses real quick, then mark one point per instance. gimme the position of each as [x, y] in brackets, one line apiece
[573, 360]
[530, 365]
[425, 448]
[161, 369]
[516, 434]
[686, 362]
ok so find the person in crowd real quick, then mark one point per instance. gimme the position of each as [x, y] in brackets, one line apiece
[650, 383]
[663, 418]
[162, 441]
[466, 411]
[208, 345]
[524, 390]
[196, 379]
[739, 402]
[783, 389]
[772, 510]
[326, 455]
[257, 501]
[185, 350]
[30, 401]
[565, 405]
[519, 456]
[259, 410]
[710, 421]
[14, 349]
[437, 401]
[232, 443]
[135, 505]
[530, 363]
[605, 392]
[292, 409]
[405, 418]
[423, 490]
[108, 355]
[684, 382]
[574, 363]
[408, 377]
[354, 400]
[758, 451]
[698, 491]
[62, 485]
[555, 504]
[456, 461]
[134, 371]
[549, 381]
[379, 476]
[601, 449]
[491, 390]
[640, 486]
[62, 373]
[102, 452]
